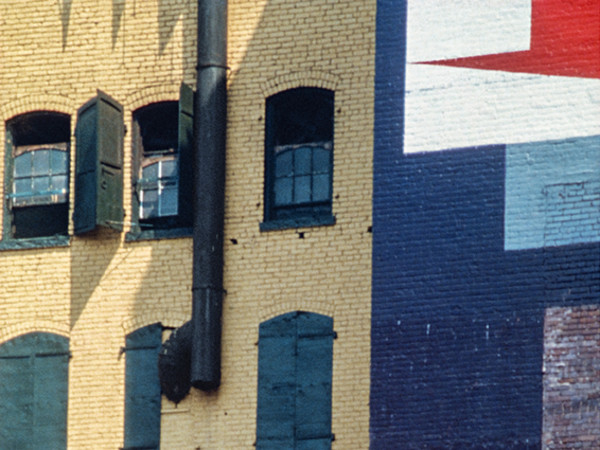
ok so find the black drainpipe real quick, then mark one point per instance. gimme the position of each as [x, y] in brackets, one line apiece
[209, 200]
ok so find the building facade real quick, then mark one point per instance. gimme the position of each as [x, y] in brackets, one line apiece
[485, 220]
[96, 245]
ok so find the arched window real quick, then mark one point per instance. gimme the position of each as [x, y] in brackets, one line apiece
[38, 175]
[294, 382]
[299, 158]
[162, 166]
[34, 371]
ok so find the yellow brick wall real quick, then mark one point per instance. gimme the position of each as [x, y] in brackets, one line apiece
[53, 56]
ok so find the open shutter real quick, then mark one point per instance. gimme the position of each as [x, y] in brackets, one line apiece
[313, 381]
[99, 165]
[276, 383]
[34, 392]
[185, 142]
[8, 179]
[142, 388]
[136, 162]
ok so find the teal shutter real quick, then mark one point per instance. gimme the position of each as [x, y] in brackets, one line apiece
[34, 392]
[313, 381]
[276, 409]
[137, 154]
[294, 382]
[8, 179]
[99, 165]
[185, 143]
[142, 388]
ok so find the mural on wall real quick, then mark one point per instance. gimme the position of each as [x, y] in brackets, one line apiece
[486, 214]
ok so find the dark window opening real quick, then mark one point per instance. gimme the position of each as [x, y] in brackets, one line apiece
[299, 155]
[158, 172]
[162, 165]
[37, 175]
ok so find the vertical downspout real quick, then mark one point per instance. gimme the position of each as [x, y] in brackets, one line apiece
[209, 200]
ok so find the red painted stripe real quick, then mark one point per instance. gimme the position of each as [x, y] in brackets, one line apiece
[565, 40]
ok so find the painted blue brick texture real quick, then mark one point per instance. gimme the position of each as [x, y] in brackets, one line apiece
[470, 246]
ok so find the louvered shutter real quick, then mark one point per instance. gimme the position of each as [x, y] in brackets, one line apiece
[185, 144]
[99, 165]
[142, 388]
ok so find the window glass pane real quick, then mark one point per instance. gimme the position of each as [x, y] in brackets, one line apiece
[149, 203]
[41, 184]
[41, 162]
[283, 191]
[23, 165]
[60, 183]
[302, 189]
[168, 168]
[302, 161]
[150, 172]
[321, 160]
[58, 162]
[321, 188]
[168, 201]
[283, 164]
[22, 185]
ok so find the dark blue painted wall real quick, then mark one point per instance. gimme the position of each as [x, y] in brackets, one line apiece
[457, 332]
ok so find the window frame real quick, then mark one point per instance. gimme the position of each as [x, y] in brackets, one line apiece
[295, 214]
[17, 142]
[181, 149]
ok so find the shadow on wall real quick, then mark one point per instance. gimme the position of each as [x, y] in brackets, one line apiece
[65, 16]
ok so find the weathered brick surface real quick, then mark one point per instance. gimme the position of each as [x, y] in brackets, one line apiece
[53, 56]
[571, 378]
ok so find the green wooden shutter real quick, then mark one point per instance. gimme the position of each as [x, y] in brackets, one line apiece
[185, 144]
[99, 165]
[50, 393]
[276, 383]
[294, 382]
[34, 392]
[8, 179]
[137, 154]
[142, 388]
[313, 381]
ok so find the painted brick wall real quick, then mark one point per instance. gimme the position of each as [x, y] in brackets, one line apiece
[484, 216]
[54, 55]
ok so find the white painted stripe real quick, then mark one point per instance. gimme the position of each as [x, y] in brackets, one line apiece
[444, 29]
[449, 107]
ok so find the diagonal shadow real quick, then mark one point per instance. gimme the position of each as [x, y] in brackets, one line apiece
[64, 9]
[169, 12]
[118, 8]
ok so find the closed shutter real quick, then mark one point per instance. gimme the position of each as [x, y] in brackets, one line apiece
[34, 392]
[276, 410]
[99, 165]
[313, 381]
[294, 382]
[185, 144]
[142, 388]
